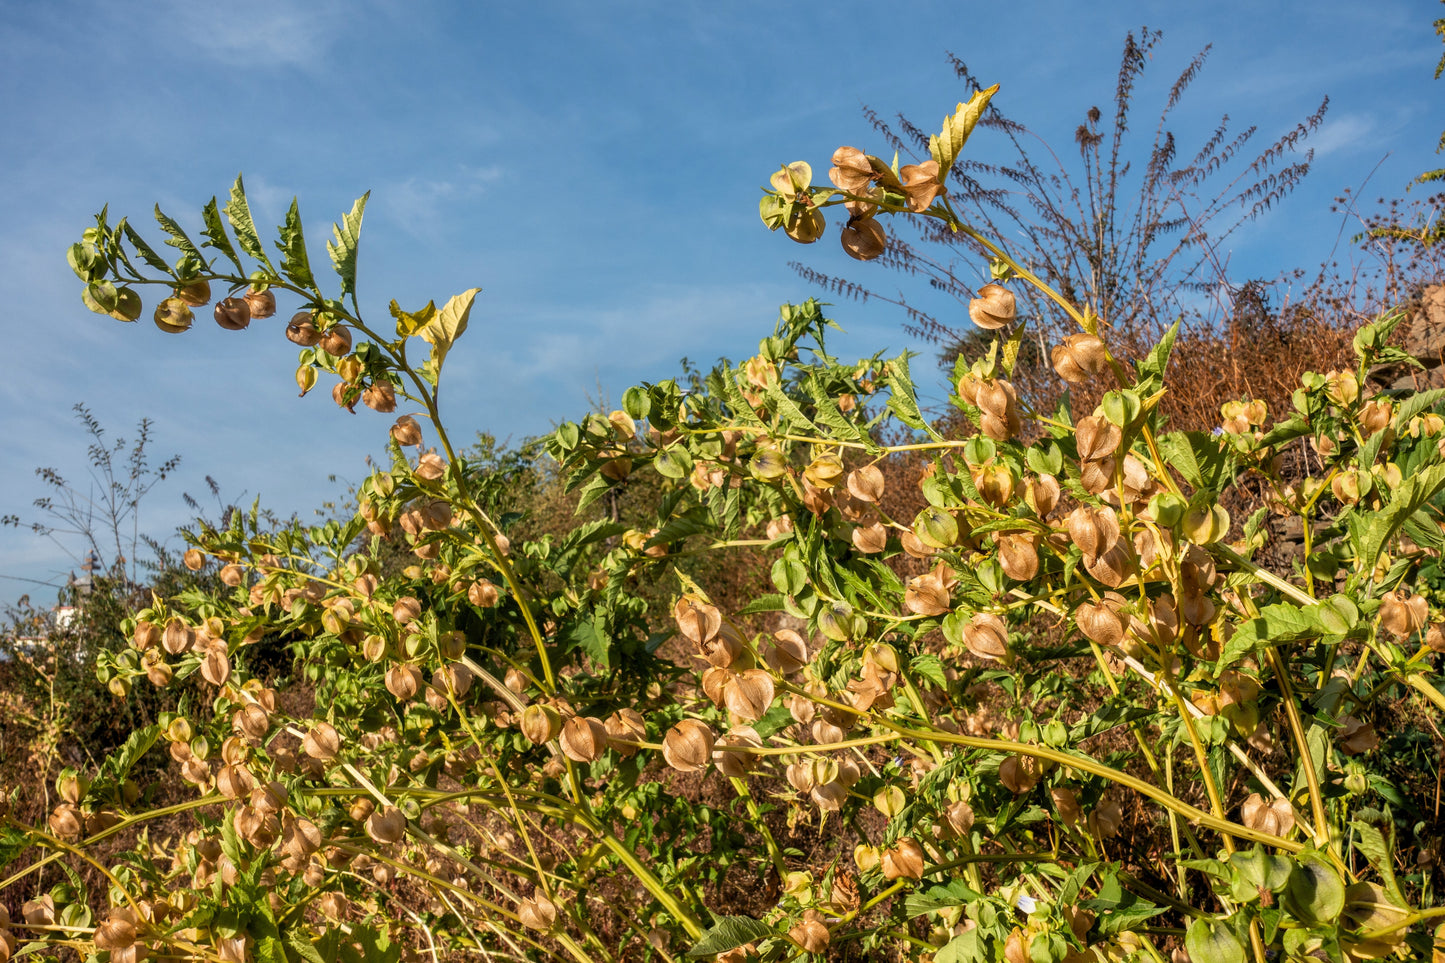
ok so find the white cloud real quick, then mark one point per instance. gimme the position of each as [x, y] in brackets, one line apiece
[1346, 132]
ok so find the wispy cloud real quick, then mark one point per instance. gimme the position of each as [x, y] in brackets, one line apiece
[423, 205]
[262, 33]
[1347, 132]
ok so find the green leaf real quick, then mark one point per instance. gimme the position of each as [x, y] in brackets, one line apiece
[955, 893]
[771, 602]
[147, 253]
[347, 235]
[238, 212]
[728, 933]
[178, 238]
[294, 262]
[215, 233]
[136, 746]
[1379, 527]
[827, 412]
[1151, 368]
[409, 323]
[903, 397]
[967, 947]
[948, 143]
[1417, 403]
[793, 419]
[931, 668]
[13, 842]
[587, 635]
[1204, 461]
[1371, 842]
[1279, 622]
[1117, 908]
[447, 326]
[1213, 941]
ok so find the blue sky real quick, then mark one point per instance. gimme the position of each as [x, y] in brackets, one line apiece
[594, 167]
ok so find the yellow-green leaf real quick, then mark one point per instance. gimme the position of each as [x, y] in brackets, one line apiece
[444, 329]
[409, 323]
[948, 144]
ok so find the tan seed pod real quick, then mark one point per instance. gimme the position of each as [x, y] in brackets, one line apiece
[235, 782]
[173, 316]
[1042, 494]
[1093, 529]
[870, 539]
[625, 726]
[866, 483]
[1115, 566]
[986, 636]
[251, 721]
[994, 307]
[787, 652]
[537, 913]
[146, 635]
[1401, 615]
[1018, 555]
[1106, 819]
[233, 314]
[688, 746]
[406, 609]
[195, 293]
[583, 739]
[697, 621]
[430, 467]
[1275, 817]
[178, 638]
[851, 170]
[1099, 622]
[261, 303]
[336, 340]
[1097, 437]
[864, 238]
[904, 860]
[732, 763]
[386, 825]
[323, 742]
[403, 681]
[232, 575]
[811, 935]
[931, 593]
[749, 694]
[714, 682]
[114, 934]
[302, 330]
[194, 559]
[1066, 804]
[380, 396]
[406, 432]
[65, 822]
[216, 667]
[959, 818]
[1355, 736]
[1019, 774]
[1080, 357]
[300, 837]
[39, 912]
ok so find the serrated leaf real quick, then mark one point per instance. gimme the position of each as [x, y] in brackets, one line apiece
[931, 668]
[1151, 368]
[1371, 842]
[1417, 403]
[1204, 461]
[1279, 622]
[238, 212]
[728, 933]
[409, 323]
[136, 746]
[586, 633]
[177, 238]
[295, 263]
[13, 842]
[347, 236]
[1379, 527]
[215, 233]
[945, 146]
[828, 413]
[787, 410]
[448, 325]
[903, 397]
[762, 604]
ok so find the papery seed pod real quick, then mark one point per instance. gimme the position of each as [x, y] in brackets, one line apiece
[257, 828]
[323, 742]
[1115, 566]
[65, 822]
[336, 340]
[1355, 736]
[1019, 774]
[866, 483]
[995, 483]
[1342, 387]
[270, 798]
[350, 369]
[252, 722]
[540, 723]
[302, 330]
[178, 638]
[864, 238]
[732, 763]
[688, 746]
[235, 782]
[870, 539]
[994, 307]
[386, 825]
[146, 634]
[824, 471]
[233, 314]
[216, 667]
[931, 593]
[1401, 615]
[723, 649]
[300, 837]
[623, 727]
[787, 652]
[748, 695]
[1094, 529]
[1080, 357]
[430, 467]
[904, 860]
[406, 609]
[39, 912]
[806, 225]
[1099, 622]
[997, 400]
[583, 739]
[537, 913]
[851, 170]
[406, 431]
[986, 636]
[114, 934]
[1066, 805]
[812, 935]
[697, 621]
[333, 905]
[958, 817]
[1275, 817]
[195, 293]
[173, 316]
[829, 797]
[1042, 494]
[261, 303]
[380, 396]
[232, 575]
[1106, 819]
[1097, 438]
[194, 559]
[1018, 555]
[403, 681]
